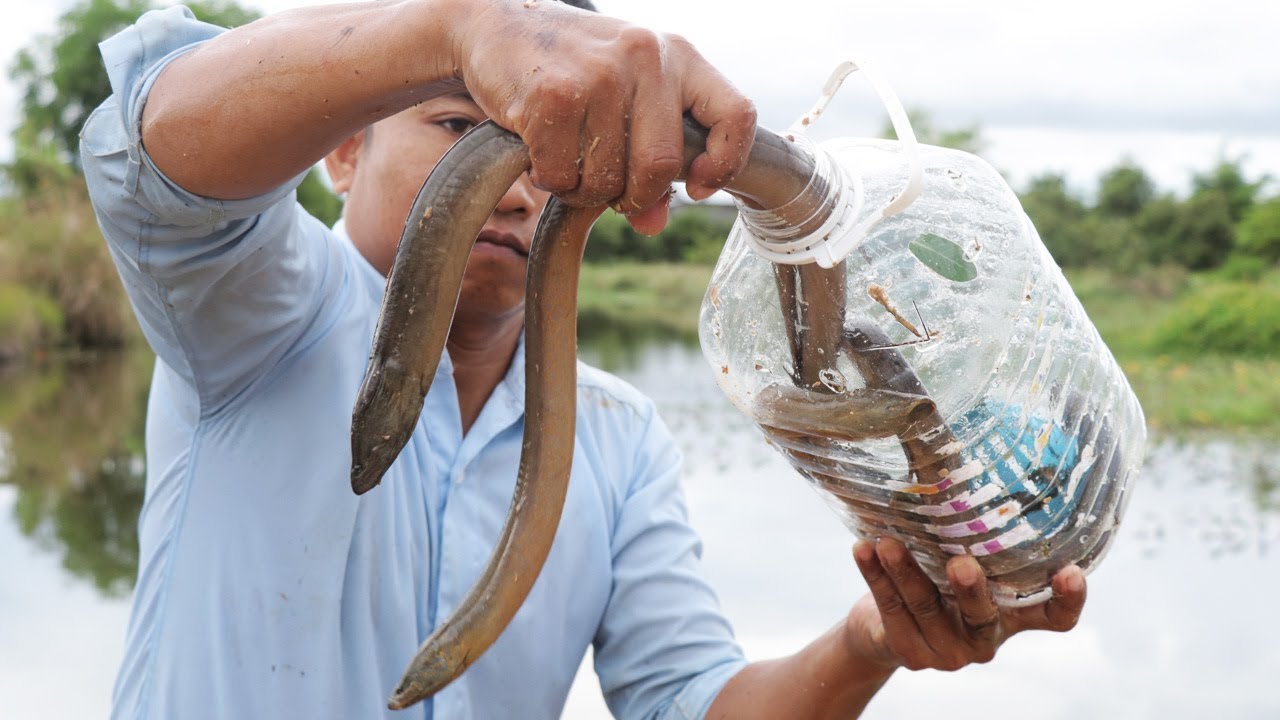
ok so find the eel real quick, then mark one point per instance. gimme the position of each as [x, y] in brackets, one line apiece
[418, 305]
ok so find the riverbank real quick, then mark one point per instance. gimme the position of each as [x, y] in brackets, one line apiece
[1170, 330]
[58, 287]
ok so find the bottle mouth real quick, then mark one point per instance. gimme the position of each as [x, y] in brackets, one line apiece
[833, 201]
[831, 204]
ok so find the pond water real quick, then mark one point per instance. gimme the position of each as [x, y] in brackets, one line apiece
[1180, 623]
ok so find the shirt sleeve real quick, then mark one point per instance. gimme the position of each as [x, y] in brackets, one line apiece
[664, 649]
[222, 289]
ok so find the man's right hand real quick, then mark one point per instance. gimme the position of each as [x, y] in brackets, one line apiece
[600, 104]
[598, 101]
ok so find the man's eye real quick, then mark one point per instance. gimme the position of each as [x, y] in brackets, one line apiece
[457, 125]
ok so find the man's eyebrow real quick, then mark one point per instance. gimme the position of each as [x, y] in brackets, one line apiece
[456, 96]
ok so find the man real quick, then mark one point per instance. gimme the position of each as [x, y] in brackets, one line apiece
[266, 589]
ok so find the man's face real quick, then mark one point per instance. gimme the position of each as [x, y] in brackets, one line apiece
[382, 173]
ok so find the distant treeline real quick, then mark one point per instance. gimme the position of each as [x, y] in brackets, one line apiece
[695, 234]
[58, 287]
[1225, 222]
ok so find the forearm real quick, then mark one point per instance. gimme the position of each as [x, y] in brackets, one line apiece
[824, 680]
[258, 105]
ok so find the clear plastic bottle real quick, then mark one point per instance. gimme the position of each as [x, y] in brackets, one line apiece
[960, 399]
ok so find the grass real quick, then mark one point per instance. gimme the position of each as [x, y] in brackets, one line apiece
[1208, 393]
[29, 321]
[662, 296]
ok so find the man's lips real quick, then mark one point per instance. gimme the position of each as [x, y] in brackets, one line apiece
[503, 240]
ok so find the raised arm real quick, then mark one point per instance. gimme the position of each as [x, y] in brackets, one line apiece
[190, 163]
[258, 105]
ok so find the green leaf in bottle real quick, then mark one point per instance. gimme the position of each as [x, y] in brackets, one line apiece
[944, 257]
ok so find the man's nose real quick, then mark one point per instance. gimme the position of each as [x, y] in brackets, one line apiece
[522, 198]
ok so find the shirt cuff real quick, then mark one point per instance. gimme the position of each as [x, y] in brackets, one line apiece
[693, 702]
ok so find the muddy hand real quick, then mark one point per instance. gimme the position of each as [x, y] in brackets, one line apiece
[566, 81]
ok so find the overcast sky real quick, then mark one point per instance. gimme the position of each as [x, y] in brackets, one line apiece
[1068, 87]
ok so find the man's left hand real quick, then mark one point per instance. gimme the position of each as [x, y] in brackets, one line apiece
[905, 622]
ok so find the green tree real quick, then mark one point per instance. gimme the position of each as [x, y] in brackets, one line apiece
[1059, 217]
[62, 77]
[1228, 178]
[1156, 228]
[62, 81]
[1258, 234]
[318, 199]
[612, 238]
[1123, 191]
[968, 139]
[1204, 234]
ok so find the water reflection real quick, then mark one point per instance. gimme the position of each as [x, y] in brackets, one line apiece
[616, 347]
[72, 447]
[1177, 624]
[1202, 530]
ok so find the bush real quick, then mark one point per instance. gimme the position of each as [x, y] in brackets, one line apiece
[1258, 234]
[1242, 268]
[694, 234]
[28, 322]
[52, 246]
[1226, 318]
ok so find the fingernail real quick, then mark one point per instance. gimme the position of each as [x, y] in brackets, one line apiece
[967, 574]
[889, 553]
[698, 192]
[1075, 583]
[863, 552]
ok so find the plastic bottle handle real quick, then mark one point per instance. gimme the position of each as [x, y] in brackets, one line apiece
[897, 116]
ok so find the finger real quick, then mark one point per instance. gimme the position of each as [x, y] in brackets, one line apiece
[978, 610]
[602, 154]
[656, 149]
[651, 222]
[554, 132]
[924, 603]
[902, 635]
[728, 115]
[1062, 612]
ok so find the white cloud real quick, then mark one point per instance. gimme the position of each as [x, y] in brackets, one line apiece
[1058, 86]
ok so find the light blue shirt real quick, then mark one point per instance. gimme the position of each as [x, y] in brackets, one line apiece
[266, 589]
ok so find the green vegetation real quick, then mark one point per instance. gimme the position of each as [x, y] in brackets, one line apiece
[58, 286]
[660, 297]
[62, 76]
[27, 320]
[73, 431]
[1201, 379]
[1231, 318]
[695, 235]
[1185, 289]
[51, 250]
